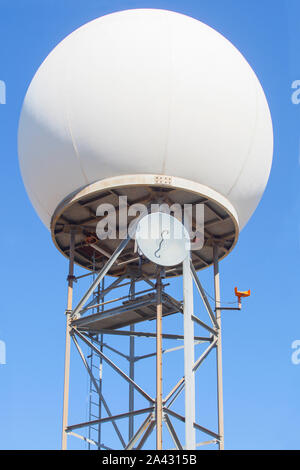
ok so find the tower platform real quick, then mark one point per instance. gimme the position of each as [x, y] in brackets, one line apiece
[130, 312]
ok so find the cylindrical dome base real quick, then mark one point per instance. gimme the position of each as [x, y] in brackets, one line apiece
[78, 212]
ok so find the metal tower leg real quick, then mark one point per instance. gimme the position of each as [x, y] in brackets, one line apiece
[189, 359]
[101, 299]
[100, 392]
[68, 343]
[219, 349]
[131, 368]
[159, 364]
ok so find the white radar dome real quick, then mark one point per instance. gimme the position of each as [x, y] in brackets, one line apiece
[145, 92]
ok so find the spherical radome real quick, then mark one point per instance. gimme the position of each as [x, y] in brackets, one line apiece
[145, 92]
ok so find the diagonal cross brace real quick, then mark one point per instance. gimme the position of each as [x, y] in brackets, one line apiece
[114, 366]
[204, 298]
[142, 429]
[108, 419]
[102, 273]
[172, 432]
[98, 391]
[196, 425]
[199, 361]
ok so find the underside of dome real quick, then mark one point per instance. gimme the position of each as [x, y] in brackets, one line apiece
[78, 213]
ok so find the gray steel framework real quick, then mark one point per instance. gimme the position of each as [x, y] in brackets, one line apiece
[159, 411]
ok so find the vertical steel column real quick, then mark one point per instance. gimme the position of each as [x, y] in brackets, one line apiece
[101, 299]
[189, 355]
[90, 400]
[68, 341]
[100, 391]
[159, 363]
[92, 368]
[131, 368]
[219, 349]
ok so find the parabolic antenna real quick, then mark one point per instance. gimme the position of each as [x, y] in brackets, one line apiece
[162, 239]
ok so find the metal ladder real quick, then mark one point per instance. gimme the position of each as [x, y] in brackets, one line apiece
[95, 409]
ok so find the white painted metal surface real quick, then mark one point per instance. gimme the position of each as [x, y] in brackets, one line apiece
[189, 355]
[145, 92]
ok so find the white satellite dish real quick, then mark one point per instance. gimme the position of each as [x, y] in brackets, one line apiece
[162, 239]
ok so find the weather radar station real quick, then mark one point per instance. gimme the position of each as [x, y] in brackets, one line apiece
[145, 145]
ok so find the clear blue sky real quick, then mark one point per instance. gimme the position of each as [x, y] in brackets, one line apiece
[261, 385]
